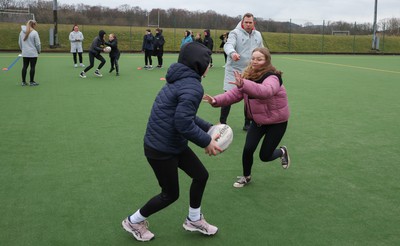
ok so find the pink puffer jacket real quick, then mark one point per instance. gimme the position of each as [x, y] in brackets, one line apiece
[266, 103]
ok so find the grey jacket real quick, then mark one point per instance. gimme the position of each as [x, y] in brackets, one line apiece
[243, 43]
[30, 47]
[76, 39]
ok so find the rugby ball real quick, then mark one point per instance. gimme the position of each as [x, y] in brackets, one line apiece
[225, 135]
[107, 49]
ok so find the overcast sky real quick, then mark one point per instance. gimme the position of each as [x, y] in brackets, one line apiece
[300, 11]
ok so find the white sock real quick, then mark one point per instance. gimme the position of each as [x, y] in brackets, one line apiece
[137, 217]
[194, 214]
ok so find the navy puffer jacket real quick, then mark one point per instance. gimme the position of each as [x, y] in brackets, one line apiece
[173, 119]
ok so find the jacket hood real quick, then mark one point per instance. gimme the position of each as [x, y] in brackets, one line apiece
[240, 27]
[101, 34]
[196, 56]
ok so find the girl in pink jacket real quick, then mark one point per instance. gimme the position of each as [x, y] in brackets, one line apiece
[265, 99]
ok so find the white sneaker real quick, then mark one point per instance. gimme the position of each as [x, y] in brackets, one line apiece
[242, 181]
[97, 73]
[201, 226]
[82, 75]
[285, 159]
[138, 230]
[76, 65]
[82, 65]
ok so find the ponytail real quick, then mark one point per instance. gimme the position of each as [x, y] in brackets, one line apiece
[29, 26]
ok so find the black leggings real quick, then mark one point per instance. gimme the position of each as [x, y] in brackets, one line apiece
[147, 57]
[114, 62]
[74, 56]
[91, 60]
[160, 59]
[272, 134]
[166, 172]
[26, 62]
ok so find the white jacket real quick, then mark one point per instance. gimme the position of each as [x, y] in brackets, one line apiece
[243, 43]
[76, 39]
[31, 47]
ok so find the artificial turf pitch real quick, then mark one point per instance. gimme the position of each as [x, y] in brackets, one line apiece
[72, 164]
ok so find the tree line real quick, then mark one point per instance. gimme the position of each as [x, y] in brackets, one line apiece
[126, 15]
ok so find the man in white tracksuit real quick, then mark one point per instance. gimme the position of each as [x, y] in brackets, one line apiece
[239, 46]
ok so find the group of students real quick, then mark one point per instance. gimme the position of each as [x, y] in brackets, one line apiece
[207, 41]
[153, 46]
[173, 120]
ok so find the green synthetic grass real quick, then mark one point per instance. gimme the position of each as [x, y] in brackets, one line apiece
[72, 164]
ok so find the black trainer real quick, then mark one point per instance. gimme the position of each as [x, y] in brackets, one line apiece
[24, 83]
[33, 83]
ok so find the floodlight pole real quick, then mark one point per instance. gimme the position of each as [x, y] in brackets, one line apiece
[55, 33]
[375, 40]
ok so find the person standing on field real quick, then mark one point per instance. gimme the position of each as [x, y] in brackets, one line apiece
[241, 42]
[224, 38]
[159, 47]
[209, 43]
[29, 43]
[187, 37]
[76, 39]
[147, 48]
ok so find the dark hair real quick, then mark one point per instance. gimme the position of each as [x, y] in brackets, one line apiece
[148, 30]
[248, 15]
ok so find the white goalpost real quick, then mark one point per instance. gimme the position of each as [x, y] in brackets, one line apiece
[341, 33]
[16, 15]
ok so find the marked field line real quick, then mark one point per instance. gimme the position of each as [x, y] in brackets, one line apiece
[342, 65]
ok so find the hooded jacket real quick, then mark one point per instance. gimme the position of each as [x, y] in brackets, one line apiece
[187, 39]
[31, 47]
[265, 101]
[97, 45]
[148, 42]
[173, 121]
[243, 43]
[159, 42]
[208, 41]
